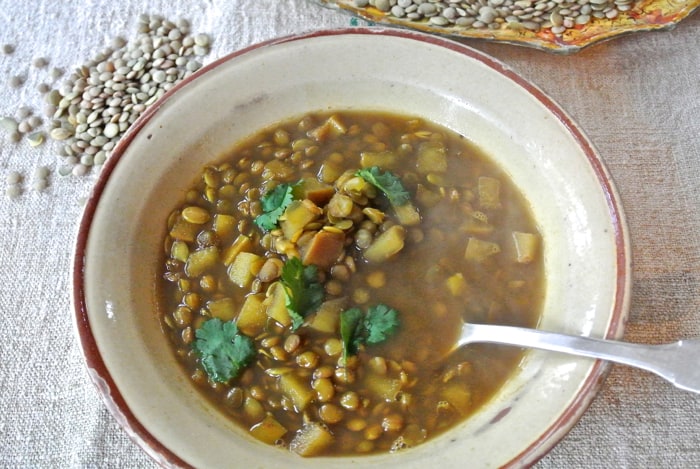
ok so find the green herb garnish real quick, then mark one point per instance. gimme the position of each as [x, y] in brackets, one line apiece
[222, 350]
[381, 323]
[274, 203]
[378, 324]
[386, 182]
[304, 291]
[351, 330]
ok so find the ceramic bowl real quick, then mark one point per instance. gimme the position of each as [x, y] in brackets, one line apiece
[586, 250]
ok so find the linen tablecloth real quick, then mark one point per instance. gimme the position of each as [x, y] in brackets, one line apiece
[637, 98]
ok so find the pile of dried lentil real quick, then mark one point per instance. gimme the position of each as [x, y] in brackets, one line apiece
[97, 103]
[557, 15]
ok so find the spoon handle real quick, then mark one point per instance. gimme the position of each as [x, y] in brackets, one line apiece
[675, 362]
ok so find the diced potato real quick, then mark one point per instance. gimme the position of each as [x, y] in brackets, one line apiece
[269, 430]
[297, 215]
[311, 439]
[475, 226]
[386, 244]
[426, 197]
[382, 386]
[276, 304]
[387, 160]
[224, 225]
[331, 128]
[327, 318]
[252, 318]
[279, 170]
[184, 230]
[222, 308]
[456, 284]
[525, 246]
[458, 396]
[244, 268]
[432, 158]
[316, 191]
[479, 250]
[180, 250]
[296, 389]
[324, 249]
[201, 260]
[489, 192]
[329, 172]
[242, 243]
[407, 214]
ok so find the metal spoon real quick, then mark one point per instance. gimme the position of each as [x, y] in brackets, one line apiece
[676, 362]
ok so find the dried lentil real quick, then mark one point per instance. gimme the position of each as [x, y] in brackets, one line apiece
[495, 14]
[103, 97]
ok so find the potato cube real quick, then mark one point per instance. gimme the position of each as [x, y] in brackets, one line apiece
[244, 268]
[269, 430]
[311, 440]
[252, 318]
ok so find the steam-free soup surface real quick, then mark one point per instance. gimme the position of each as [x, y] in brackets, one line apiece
[316, 277]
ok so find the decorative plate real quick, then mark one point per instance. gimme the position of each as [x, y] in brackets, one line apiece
[561, 26]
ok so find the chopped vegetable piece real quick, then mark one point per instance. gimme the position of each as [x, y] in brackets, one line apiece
[269, 430]
[382, 159]
[222, 308]
[479, 250]
[244, 268]
[304, 291]
[388, 183]
[525, 246]
[201, 261]
[274, 203]
[407, 214]
[297, 215]
[456, 284]
[311, 439]
[184, 230]
[224, 225]
[296, 389]
[432, 158]
[327, 318]
[276, 304]
[314, 190]
[242, 243]
[251, 319]
[386, 244]
[489, 192]
[324, 249]
[223, 352]
[383, 386]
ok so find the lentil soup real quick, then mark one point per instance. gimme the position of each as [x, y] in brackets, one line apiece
[315, 279]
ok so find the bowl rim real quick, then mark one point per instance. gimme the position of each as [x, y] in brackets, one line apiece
[110, 393]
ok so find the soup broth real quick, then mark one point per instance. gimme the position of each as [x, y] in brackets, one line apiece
[315, 279]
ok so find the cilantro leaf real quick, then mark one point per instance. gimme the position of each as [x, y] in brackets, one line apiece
[304, 292]
[378, 324]
[351, 331]
[387, 182]
[274, 203]
[381, 322]
[223, 352]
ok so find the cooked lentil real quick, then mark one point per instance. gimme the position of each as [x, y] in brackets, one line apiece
[302, 392]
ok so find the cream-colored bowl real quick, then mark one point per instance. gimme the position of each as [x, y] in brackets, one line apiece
[586, 250]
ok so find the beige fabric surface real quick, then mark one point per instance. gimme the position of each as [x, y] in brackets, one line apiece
[637, 98]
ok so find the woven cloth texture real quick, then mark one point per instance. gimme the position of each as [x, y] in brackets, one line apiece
[637, 98]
